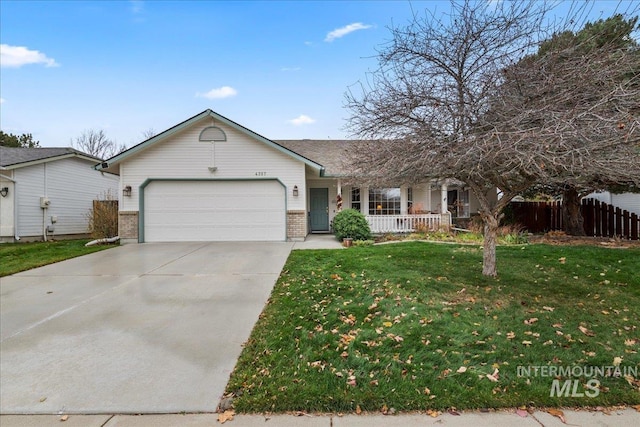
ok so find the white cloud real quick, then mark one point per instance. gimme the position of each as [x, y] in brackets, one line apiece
[341, 32]
[17, 56]
[302, 120]
[290, 69]
[221, 92]
[2, 100]
[137, 6]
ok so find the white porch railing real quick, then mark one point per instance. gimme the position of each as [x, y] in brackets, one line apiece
[407, 223]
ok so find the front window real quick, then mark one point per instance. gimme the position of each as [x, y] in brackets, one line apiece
[384, 201]
[458, 201]
[355, 199]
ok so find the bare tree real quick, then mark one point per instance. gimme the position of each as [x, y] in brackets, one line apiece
[149, 133]
[434, 108]
[436, 79]
[96, 143]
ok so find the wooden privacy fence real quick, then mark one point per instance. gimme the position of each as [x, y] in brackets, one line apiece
[600, 219]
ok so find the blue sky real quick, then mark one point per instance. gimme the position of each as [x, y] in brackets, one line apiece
[279, 68]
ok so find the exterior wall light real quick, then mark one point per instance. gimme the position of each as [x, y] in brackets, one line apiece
[295, 191]
[126, 191]
[4, 191]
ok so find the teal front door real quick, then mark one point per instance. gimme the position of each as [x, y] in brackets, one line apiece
[319, 212]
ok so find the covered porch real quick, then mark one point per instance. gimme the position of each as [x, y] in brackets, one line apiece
[403, 209]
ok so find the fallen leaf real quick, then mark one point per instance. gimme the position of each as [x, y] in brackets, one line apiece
[632, 381]
[617, 361]
[562, 260]
[522, 413]
[636, 407]
[387, 324]
[548, 308]
[226, 416]
[358, 410]
[586, 331]
[42, 399]
[557, 413]
[64, 418]
[427, 391]
[433, 413]
[462, 369]
[531, 321]
[511, 335]
[527, 343]
[626, 342]
[453, 412]
[494, 377]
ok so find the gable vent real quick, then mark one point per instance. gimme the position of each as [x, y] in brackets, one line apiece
[212, 133]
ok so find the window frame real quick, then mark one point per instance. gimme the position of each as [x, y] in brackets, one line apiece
[381, 204]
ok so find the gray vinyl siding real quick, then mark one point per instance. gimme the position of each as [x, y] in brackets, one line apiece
[31, 186]
[70, 184]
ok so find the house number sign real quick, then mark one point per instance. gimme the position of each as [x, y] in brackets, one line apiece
[261, 174]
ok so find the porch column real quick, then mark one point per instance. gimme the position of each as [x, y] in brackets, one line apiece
[428, 204]
[364, 200]
[339, 196]
[443, 199]
[403, 200]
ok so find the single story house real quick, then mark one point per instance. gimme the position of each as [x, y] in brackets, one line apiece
[48, 192]
[211, 179]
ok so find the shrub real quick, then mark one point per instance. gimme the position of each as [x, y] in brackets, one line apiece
[350, 223]
[103, 218]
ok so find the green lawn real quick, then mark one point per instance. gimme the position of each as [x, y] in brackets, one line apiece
[415, 326]
[18, 257]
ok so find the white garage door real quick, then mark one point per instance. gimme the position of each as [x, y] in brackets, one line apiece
[186, 211]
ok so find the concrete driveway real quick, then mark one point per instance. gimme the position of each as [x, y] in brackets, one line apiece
[151, 328]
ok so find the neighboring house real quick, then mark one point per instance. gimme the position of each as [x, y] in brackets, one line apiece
[211, 179]
[625, 201]
[48, 192]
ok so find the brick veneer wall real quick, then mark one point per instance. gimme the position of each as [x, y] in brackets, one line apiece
[296, 225]
[128, 225]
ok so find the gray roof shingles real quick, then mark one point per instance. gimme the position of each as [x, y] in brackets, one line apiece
[10, 156]
[329, 153]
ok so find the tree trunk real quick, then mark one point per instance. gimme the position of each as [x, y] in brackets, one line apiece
[489, 248]
[571, 213]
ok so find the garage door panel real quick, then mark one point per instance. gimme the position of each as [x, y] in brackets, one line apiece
[214, 211]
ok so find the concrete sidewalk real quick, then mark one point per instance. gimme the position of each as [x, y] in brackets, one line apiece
[618, 418]
[318, 241]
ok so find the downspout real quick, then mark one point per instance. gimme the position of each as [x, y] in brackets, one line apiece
[44, 210]
[16, 235]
